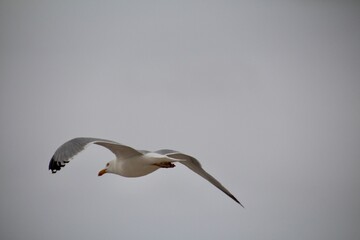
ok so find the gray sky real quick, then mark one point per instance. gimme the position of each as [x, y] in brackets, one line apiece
[265, 95]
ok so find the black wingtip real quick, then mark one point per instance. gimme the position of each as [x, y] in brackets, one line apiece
[54, 166]
[234, 198]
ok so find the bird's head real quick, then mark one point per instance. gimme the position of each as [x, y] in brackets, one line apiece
[108, 169]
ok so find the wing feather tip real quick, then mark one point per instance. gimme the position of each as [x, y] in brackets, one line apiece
[55, 166]
[234, 198]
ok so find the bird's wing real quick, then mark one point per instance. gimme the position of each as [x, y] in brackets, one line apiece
[72, 147]
[195, 166]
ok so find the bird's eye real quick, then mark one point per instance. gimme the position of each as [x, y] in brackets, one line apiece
[107, 164]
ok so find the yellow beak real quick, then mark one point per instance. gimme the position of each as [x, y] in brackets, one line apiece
[102, 172]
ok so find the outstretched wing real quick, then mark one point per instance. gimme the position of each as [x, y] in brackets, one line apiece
[195, 166]
[72, 147]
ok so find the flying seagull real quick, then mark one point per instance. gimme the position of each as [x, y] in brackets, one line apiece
[130, 162]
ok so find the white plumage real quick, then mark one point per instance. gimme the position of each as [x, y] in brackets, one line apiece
[130, 162]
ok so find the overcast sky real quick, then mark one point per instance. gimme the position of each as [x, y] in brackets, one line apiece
[266, 94]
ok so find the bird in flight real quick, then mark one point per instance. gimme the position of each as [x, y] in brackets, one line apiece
[130, 162]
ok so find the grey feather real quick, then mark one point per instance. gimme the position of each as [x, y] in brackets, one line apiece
[193, 164]
[165, 151]
[72, 147]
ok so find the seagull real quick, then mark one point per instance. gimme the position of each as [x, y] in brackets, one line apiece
[130, 162]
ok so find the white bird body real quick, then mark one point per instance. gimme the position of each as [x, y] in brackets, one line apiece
[138, 166]
[130, 162]
[132, 167]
